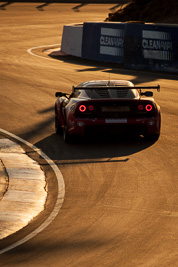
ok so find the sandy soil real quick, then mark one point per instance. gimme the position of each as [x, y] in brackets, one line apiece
[159, 11]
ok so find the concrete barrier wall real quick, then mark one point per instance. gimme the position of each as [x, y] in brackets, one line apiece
[72, 40]
[138, 46]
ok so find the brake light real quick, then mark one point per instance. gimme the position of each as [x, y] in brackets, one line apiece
[82, 108]
[91, 107]
[140, 107]
[148, 107]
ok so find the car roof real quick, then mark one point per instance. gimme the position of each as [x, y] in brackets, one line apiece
[106, 83]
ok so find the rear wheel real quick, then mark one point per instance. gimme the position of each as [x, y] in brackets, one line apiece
[58, 128]
[66, 136]
[153, 137]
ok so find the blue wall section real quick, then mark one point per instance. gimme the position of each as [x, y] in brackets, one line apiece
[103, 41]
[152, 47]
[138, 46]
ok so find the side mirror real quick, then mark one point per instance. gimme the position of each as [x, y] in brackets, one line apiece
[59, 94]
[147, 93]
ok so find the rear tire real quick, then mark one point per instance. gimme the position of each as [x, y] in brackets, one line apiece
[58, 128]
[153, 137]
[66, 136]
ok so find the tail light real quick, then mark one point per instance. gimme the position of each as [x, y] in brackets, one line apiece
[148, 107]
[82, 108]
[140, 107]
[91, 107]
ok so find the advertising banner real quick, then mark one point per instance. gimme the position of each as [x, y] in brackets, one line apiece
[103, 41]
[153, 47]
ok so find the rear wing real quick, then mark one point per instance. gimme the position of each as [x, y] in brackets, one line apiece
[117, 87]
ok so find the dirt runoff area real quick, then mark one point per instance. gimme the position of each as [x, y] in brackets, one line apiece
[153, 11]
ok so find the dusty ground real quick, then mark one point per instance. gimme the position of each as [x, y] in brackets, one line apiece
[162, 11]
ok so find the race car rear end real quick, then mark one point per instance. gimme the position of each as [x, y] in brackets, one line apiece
[140, 116]
[108, 107]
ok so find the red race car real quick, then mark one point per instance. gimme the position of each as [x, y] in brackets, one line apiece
[108, 107]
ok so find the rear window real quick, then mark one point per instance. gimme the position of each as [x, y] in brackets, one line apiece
[107, 93]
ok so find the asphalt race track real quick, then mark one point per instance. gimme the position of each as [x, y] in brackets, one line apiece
[121, 197]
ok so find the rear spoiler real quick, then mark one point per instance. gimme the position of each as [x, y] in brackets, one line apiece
[117, 87]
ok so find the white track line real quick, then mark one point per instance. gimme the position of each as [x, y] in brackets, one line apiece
[60, 197]
[131, 70]
[43, 46]
[26, 194]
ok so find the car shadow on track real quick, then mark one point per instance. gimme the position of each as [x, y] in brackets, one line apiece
[100, 150]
